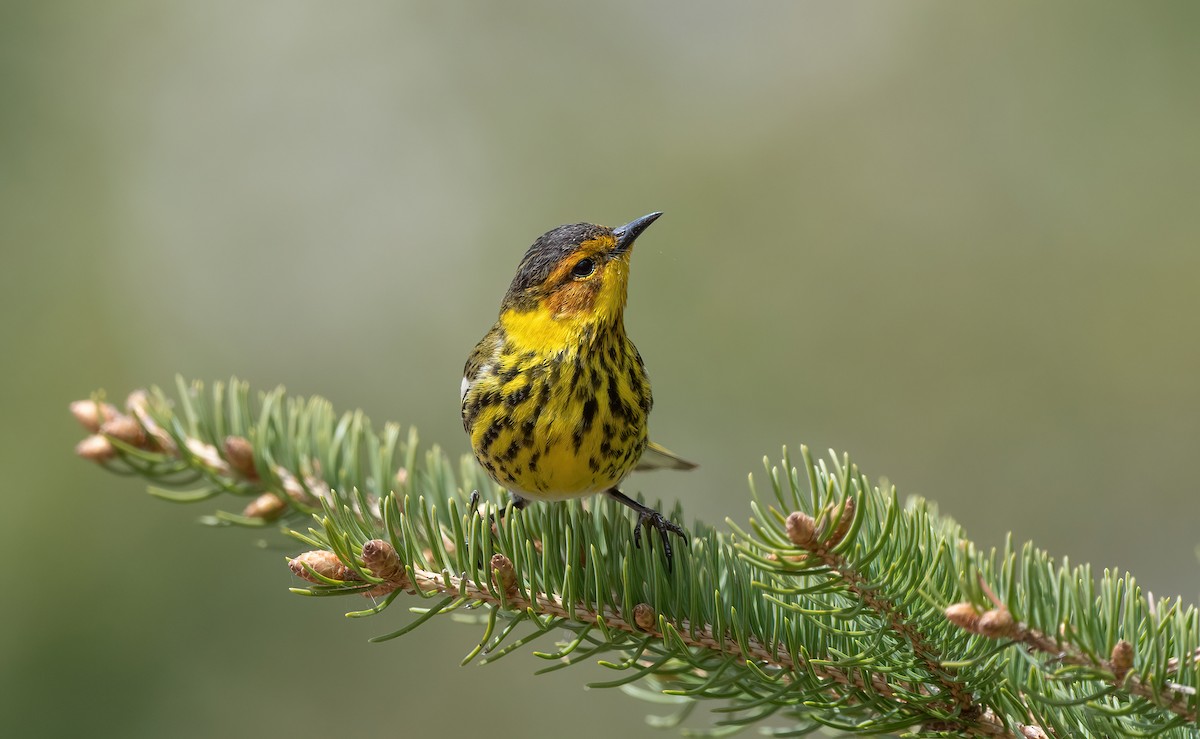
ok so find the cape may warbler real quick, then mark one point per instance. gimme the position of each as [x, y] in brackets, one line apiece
[555, 397]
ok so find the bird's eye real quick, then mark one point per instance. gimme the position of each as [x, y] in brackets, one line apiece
[583, 268]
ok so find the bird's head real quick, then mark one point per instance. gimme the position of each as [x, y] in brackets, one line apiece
[573, 277]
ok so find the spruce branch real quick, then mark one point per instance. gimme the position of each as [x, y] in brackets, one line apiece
[836, 605]
[998, 623]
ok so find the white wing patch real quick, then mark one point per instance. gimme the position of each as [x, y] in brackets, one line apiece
[468, 381]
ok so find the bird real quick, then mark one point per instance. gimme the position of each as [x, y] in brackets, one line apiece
[555, 397]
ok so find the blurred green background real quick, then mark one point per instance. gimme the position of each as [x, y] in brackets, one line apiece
[957, 241]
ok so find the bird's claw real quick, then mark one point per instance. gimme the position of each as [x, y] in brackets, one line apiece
[647, 516]
[656, 520]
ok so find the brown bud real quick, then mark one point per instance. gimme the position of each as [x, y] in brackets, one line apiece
[504, 576]
[292, 487]
[92, 414]
[643, 616]
[964, 616]
[96, 448]
[996, 623]
[267, 506]
[126, 429]
[137, 399]
[322, 562]
[402, 476]
[380, 558]
[843, 525]
[801, 529]
[1122, 659]
[138, 405]
[207, 455]
[240, 455]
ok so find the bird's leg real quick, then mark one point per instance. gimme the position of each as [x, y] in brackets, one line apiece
[647, 516]
[517, 502]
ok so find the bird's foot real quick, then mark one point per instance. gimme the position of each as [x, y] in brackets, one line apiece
[647, 516]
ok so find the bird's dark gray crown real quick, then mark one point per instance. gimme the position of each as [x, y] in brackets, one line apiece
[544, 255]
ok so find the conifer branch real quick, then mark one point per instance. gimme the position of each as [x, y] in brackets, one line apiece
[837, 605]
[1117, 670]
[318, 569]
[808, 536]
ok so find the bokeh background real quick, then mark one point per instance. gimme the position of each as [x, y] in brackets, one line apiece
[958, 241]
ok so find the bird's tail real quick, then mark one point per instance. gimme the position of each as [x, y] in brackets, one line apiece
[659, 458]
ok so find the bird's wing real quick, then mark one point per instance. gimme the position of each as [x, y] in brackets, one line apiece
[483, 353]
[658, 458]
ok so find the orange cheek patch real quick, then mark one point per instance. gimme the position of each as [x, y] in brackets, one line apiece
[573, 298]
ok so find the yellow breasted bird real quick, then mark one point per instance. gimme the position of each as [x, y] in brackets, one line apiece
[555, 397]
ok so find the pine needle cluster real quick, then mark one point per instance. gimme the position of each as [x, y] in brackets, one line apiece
[835, 604]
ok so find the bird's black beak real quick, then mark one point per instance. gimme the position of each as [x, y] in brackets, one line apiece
[627, 234]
